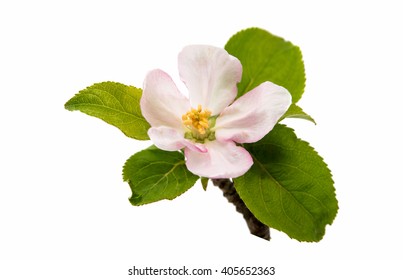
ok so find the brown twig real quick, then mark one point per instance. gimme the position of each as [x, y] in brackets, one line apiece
[255, 226]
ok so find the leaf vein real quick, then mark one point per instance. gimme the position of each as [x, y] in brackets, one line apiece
[281, 187]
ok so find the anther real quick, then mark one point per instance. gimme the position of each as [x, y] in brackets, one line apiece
[197, 121]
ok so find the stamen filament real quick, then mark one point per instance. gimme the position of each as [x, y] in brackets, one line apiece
[197, 121]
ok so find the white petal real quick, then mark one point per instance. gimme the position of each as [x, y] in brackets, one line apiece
[161, 103]
[211, 76]
[170, 139]
[222, 160]
[166, 138]
[254, 114]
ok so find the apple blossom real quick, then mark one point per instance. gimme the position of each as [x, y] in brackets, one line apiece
[208, 125]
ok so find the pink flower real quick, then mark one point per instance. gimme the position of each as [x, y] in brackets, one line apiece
[209, 124]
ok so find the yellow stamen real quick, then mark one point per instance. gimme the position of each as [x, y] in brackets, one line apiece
[197, 119]
[203, 124]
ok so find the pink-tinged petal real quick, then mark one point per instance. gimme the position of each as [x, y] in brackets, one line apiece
[222, 160]
[211, 76]
[166, 138]
[161, 103]
[170, 139]
[254, 114]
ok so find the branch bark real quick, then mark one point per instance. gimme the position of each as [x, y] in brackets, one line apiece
[255, 226]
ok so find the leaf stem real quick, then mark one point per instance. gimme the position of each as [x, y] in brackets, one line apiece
[255, 226]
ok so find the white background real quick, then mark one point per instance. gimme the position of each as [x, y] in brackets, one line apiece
[64, 210]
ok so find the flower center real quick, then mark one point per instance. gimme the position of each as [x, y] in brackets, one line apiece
[199, 122]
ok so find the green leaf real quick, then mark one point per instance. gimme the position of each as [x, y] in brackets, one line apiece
[204, 182]
[266, 57]
[289, 186]
[294, 111]
[155, 174]
[116, 104]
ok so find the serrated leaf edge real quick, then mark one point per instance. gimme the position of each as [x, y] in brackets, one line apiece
[174, 166]
[277, 183]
